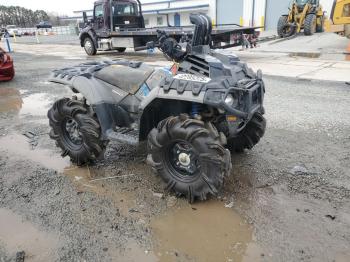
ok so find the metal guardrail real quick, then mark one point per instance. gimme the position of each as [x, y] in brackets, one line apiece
[54, 35]
[59, 30]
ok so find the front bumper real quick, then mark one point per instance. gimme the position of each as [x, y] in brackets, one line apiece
[248, 98]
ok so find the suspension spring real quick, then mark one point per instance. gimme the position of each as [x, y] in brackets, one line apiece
[196, 110]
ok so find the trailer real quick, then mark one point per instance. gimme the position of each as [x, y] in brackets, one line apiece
[119, 24]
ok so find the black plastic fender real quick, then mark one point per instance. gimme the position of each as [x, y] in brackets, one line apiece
[88, 32]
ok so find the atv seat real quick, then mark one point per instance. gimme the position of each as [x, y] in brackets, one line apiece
[127, 78]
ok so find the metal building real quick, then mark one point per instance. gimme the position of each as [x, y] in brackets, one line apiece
[274, 9]
[229, 12]
[172, 12]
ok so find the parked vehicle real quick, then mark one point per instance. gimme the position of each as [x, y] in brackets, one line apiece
[306, 15]
[191, 115]
[13, 30]
[44, 24]
[340, 16]
[2, 31]
[7, 71]
[119, 24]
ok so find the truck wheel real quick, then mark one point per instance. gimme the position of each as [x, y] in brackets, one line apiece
[283, 27]
[250, 135]
[282, 22]
[89, 46]
[121, 49]
[189, 156]
[310, 24]
[76, 131]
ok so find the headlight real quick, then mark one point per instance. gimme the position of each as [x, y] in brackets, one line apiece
[229, 100]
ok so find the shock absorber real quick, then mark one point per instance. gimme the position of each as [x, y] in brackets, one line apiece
[196, 110]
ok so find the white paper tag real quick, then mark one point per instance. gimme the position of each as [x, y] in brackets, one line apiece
[193, 78]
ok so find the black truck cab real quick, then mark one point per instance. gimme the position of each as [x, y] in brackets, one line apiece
[125, 14]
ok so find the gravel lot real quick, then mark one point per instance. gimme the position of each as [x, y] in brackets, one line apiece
[287, 199]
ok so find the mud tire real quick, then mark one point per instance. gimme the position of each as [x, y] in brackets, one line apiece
[214, 160]
[91, 147]
[89, 46]
[310, 24]
[249, 136]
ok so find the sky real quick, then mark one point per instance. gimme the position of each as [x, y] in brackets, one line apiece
[62, 7]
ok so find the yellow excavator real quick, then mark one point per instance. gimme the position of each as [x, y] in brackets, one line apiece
[304, 15]
[340, 17]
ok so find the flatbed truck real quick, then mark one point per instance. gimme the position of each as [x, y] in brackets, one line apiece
[119, 24]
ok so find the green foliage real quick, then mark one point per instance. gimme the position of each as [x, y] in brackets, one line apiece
[20, 16]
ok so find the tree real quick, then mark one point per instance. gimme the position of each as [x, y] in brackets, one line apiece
[23, 17]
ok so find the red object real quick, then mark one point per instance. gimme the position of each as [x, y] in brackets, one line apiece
[7, 71]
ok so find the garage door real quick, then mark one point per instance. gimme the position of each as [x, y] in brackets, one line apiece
[274, 9]
[229, 12]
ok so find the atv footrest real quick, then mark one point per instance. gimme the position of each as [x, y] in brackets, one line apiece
[124, 135]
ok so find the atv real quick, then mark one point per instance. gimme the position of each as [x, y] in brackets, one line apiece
[191, 116]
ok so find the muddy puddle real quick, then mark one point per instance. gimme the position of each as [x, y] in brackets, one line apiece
[17, 235]
[20, 146]
[305, 54]
[204, 232]
[133, 252]
[12, 100]
[36, 104]
[103, 183]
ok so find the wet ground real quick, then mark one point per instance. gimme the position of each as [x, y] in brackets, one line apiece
[287, 200]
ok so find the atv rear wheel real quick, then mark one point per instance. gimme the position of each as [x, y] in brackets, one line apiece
[250, 135]
[310, 24]
[76, 131]
[284, 29]
[89, 46]
[189, 156]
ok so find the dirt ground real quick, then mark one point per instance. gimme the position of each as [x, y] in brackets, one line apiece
[287, 199]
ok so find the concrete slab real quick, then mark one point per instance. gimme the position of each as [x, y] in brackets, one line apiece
[323, 43]
[345, 65]
[303, 62]
[333, 74]
[281, 70]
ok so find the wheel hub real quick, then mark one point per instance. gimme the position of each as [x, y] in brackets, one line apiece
[184, 159]
[88, 46]
[73, 131]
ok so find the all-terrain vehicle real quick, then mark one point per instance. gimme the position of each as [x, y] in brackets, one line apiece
[303, 14]
[190, 115]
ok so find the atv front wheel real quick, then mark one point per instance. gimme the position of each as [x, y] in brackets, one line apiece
[189, 156]
[250, 135]
[76, 131]
[310, 24]
[89, 46]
